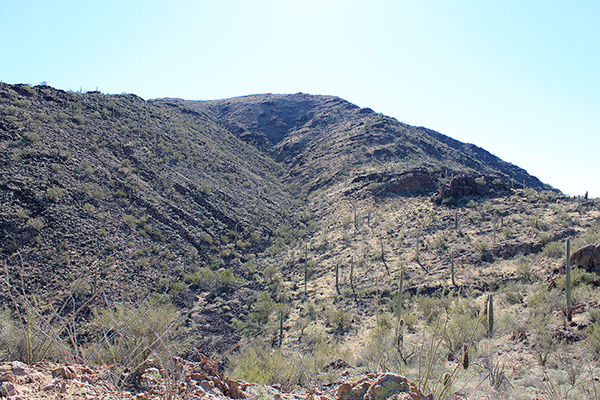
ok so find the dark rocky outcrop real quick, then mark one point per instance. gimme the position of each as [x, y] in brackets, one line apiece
[414, 181]
[465, 187]
[587, 257]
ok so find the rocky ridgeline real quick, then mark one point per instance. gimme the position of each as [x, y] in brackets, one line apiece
[188, 380]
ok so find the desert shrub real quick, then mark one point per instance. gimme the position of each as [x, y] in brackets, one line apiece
[382, 351]
[593, 340]
[214, 281]
[36, 223]
[128, 335]
[262, 308]
[249, 268]
[259, 362]
[554, 250]
[31, 337]
[340, 320]
[55, 193]
[26, 342]
[462, 325]
[206, 239]
[241, 244]
[542, 301]
[543, 343]
[525, 271]
[432, 306]
[259, 319]
[579, 276]
[11, 346]
[591, 235]
[594, 315]
[513, 293]
[275, 249]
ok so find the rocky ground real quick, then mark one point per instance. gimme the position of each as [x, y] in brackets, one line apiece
[189, 380]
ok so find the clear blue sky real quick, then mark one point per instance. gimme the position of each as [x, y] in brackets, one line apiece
[520, 78]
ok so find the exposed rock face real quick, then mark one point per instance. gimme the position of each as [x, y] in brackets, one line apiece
[510, 248]
[386, 386]
[417, 180]
[469, 186]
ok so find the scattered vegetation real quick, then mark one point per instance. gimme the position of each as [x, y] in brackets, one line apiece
[283, 266]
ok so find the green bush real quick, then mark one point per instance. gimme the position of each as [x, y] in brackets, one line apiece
[594, 338]
[513, 293]
[31, 339]
[462, 325]
[579, 276]
[432, 306]
[214, 281]
[127, 335]
[340, 320]
[554, 250]
[259, 362]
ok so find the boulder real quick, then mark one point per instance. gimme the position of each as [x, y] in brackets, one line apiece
[9, 389]
[386, 386]
[65, 372]
[587, 257]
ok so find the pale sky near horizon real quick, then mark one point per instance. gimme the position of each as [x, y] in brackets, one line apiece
[519, 78]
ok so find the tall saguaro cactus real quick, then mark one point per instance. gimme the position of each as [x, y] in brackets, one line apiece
[305, 269]
[495, 224]
[352, 279]
[337, 278]
[417, 248]
[568, 283]
[452, 268]
[490, 315]
[456, 220]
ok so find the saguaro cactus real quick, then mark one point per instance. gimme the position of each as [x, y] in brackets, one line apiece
[452, 268]
[337, 278]
[465, 359]
[305, 269]
[456, 220]
[400, 337]
[490, 315]
[568, 283]
[417, 248]
[280, 327]
[495, 223]
[352, 279]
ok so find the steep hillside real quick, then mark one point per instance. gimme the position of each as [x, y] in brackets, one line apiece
[127, 191]
[326, 141]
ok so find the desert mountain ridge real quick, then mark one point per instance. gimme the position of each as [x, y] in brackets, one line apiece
[265, 226]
